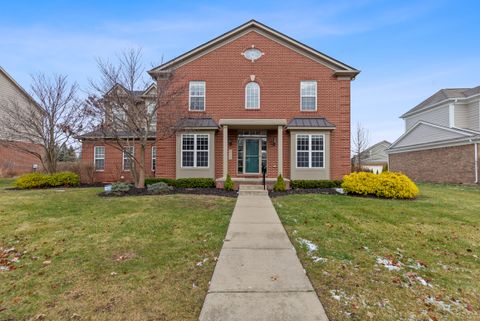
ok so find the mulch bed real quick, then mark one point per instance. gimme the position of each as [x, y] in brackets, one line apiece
[327, 191]
[193, 191]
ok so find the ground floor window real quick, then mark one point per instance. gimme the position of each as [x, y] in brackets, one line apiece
[195, 150]
[99, 158]
[128, 152]
[154, 158]
[310, 151]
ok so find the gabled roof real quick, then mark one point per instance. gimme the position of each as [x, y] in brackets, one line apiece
[443, 95]
[20, 88]
[135, 93]
[452, 135]
[383, 142]
[340, 68]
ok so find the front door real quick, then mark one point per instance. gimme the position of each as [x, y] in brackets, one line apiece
[252, 159]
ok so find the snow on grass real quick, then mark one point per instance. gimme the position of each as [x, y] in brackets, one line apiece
[389, 264]
[311, 247]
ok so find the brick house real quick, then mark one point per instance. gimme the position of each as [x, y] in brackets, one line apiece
[255, 98]
[441, 139]
[12, 160]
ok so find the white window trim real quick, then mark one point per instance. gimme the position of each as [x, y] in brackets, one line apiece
[309, 151]
[153, 158]
[259, 95]
[123, 158]
[316, 95]
[204, 95]
[194, 150]
[95, 159]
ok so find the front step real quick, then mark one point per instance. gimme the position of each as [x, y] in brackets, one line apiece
[252, 190]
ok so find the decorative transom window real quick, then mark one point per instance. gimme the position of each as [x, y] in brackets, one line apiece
[308, 95]
[128, 153]
[99, 158]
[154, 158]
[252, 95]
[195, 150]
[310, 151]
[197, 95]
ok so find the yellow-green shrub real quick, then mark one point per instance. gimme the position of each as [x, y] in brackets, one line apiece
[39, 180]
[386, 184]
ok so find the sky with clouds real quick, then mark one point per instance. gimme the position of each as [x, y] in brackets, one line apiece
[406, 50]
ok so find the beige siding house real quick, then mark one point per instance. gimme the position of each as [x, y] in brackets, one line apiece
[442, 137]
[375, 157]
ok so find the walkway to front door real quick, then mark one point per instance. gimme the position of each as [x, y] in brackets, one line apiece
[258, 275]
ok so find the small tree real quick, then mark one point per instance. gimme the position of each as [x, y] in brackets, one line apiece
[228, 185]
[49, 120]
[123, 118]
[359, 145]
[280, 185]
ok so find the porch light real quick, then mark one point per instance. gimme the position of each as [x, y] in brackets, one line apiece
[230, 142]
[274, 141]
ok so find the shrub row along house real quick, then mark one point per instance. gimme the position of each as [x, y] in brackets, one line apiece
[441, 139]
[253, 98]
[13, 158]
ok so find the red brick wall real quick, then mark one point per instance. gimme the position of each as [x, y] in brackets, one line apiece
[14, 162]
[278, 72]
[439, 165]
[113, 162]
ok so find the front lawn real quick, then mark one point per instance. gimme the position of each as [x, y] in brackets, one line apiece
[83, 257]
[374, 259]
[7, 182]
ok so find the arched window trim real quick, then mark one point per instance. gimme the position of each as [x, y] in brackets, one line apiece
[246, 95]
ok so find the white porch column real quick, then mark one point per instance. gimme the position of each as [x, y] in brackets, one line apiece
[225, 151]
[280, 150]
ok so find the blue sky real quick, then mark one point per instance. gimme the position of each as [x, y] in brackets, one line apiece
[406, 50]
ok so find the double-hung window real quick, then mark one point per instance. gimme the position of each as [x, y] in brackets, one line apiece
[154, 158]
[252, 95]
[197, 96]
[308, 96]
[99, 158]
[195, 150]
[310, 151]
[152, 113]
[128, 153]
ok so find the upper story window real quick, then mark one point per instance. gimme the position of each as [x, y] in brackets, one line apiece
[118, 114]
[152, 113]
[252, 95]
[308, 96]
[197, 96]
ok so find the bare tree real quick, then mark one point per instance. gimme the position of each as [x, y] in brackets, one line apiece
[49, 120]
[121, 113]
[360, 144]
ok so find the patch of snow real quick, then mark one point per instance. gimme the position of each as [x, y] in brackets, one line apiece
[340, 295]
[366, 248]
[388, 264]
[4, 268]
[318, 259]
[339, 190]
[202, 262]
[438, 303]
[423, 281]
[309, 244]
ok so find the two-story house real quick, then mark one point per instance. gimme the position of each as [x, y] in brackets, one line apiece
[13, 159]
[374, 158]
[441, 138]
[256, 98]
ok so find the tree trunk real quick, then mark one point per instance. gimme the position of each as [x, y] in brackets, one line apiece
[141, 173]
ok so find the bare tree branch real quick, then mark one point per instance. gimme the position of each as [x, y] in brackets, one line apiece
[359, 144]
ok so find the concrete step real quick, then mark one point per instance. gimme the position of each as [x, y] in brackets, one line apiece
[248, 187]
[254, 192]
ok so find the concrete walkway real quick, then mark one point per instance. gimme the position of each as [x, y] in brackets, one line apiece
[258, 275]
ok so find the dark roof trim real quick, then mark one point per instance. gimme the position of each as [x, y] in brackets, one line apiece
[338, 65]
[203, 123]
[314, 123]
[99, 134]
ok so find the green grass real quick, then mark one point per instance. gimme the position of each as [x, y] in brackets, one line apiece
[130, 258]
[440, 231]
[7, 182]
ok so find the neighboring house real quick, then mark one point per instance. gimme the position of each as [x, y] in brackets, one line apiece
[13, 161]
[255, 98]
[441, 140]
[374, 158]
[101, 148]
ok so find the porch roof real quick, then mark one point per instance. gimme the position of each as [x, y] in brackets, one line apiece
[202, 123]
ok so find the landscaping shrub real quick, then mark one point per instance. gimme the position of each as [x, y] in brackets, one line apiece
[305, 184]
[387, 184]
[195, 182]
[228, 185]
[121, 187]
[159, 188]
[280, 184]
[39, 180]
[150, 181]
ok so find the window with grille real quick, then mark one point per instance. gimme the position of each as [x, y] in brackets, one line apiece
[195, 150]
[128, 152]
[252, 96]
[310, 151]
[308, 95]
[154, 158]
[99, 158]
[197, 95]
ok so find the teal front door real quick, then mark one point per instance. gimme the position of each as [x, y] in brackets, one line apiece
[252, 159]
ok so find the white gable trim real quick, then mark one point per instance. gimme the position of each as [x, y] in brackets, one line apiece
[272, 34]
[461, 132]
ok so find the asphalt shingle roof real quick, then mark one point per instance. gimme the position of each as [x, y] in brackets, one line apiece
[310, 123]
[198, 122]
